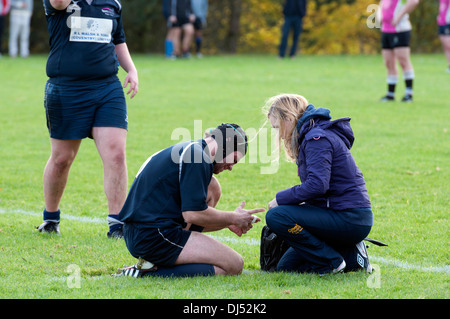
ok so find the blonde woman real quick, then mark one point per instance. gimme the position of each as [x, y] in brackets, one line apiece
[326, 217]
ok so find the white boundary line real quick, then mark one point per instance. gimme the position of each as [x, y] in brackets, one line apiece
[249, 241]
[82, 219]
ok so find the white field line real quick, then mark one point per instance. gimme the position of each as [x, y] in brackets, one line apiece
[248, 241]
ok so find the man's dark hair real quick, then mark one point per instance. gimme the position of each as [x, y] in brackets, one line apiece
[230, 138]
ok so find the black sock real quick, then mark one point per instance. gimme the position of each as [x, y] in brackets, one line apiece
[409, 87]
[185, 270]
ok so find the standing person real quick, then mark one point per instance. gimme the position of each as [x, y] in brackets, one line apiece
[172, 200]
[84, 98]
[19, 27]
[443, 21]
[181, 19]
[4, 9]
[200, 9]
[293, 11]
[325, 218]
[395, 38]
[169, 40]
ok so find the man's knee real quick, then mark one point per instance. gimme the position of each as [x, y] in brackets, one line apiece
[62, 161]
[118, 158]
[235, 266]
[113, 156]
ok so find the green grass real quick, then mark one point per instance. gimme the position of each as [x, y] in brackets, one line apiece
[402, 149]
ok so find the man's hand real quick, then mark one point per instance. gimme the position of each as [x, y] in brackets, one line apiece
[173, 19]
[245, 219]
[127, 64]
[132, 79]
[237, 230]
[238, 221]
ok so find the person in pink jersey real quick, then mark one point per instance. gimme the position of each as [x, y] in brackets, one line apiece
[5, 5]
[395, 37]
[443, 21]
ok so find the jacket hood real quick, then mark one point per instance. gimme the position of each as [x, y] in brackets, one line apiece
[322, 121]
[311, 113]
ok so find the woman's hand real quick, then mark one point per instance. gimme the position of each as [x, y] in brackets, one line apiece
[273, 203]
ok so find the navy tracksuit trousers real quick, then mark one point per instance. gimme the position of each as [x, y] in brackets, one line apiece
[319, 239]
[294, 23]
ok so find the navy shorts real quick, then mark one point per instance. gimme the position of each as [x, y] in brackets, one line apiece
[181, 21]
[395, 40]
[444, 29]
[72, 111]
[160, 246]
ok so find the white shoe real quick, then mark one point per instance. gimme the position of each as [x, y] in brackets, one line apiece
[340, 268]
[140, 269]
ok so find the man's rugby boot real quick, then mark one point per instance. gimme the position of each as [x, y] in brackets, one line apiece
[140, 269]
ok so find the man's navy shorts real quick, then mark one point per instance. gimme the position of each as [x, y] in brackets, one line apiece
[160, 246]
[72, 111]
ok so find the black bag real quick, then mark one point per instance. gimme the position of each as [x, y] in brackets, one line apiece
[272, 249]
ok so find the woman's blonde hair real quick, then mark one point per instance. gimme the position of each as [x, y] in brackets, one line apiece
[284, 107]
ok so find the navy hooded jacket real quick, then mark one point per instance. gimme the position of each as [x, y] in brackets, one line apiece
[329, 175]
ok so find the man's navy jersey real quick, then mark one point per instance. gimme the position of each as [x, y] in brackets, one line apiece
[82, 41]
[178, 8]
[165, 186]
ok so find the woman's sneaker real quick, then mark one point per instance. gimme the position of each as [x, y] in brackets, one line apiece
[340, 268]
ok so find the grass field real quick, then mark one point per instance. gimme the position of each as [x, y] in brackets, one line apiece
[402, 149]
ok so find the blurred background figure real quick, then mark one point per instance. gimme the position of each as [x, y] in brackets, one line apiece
[181, 29]
[443, 21]
[4, 9]
[168, 43]
[395, 41]
[293, 11]
[19, 27]
[200, 9]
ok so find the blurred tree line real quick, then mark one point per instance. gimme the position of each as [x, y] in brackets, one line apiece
[254, 26]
